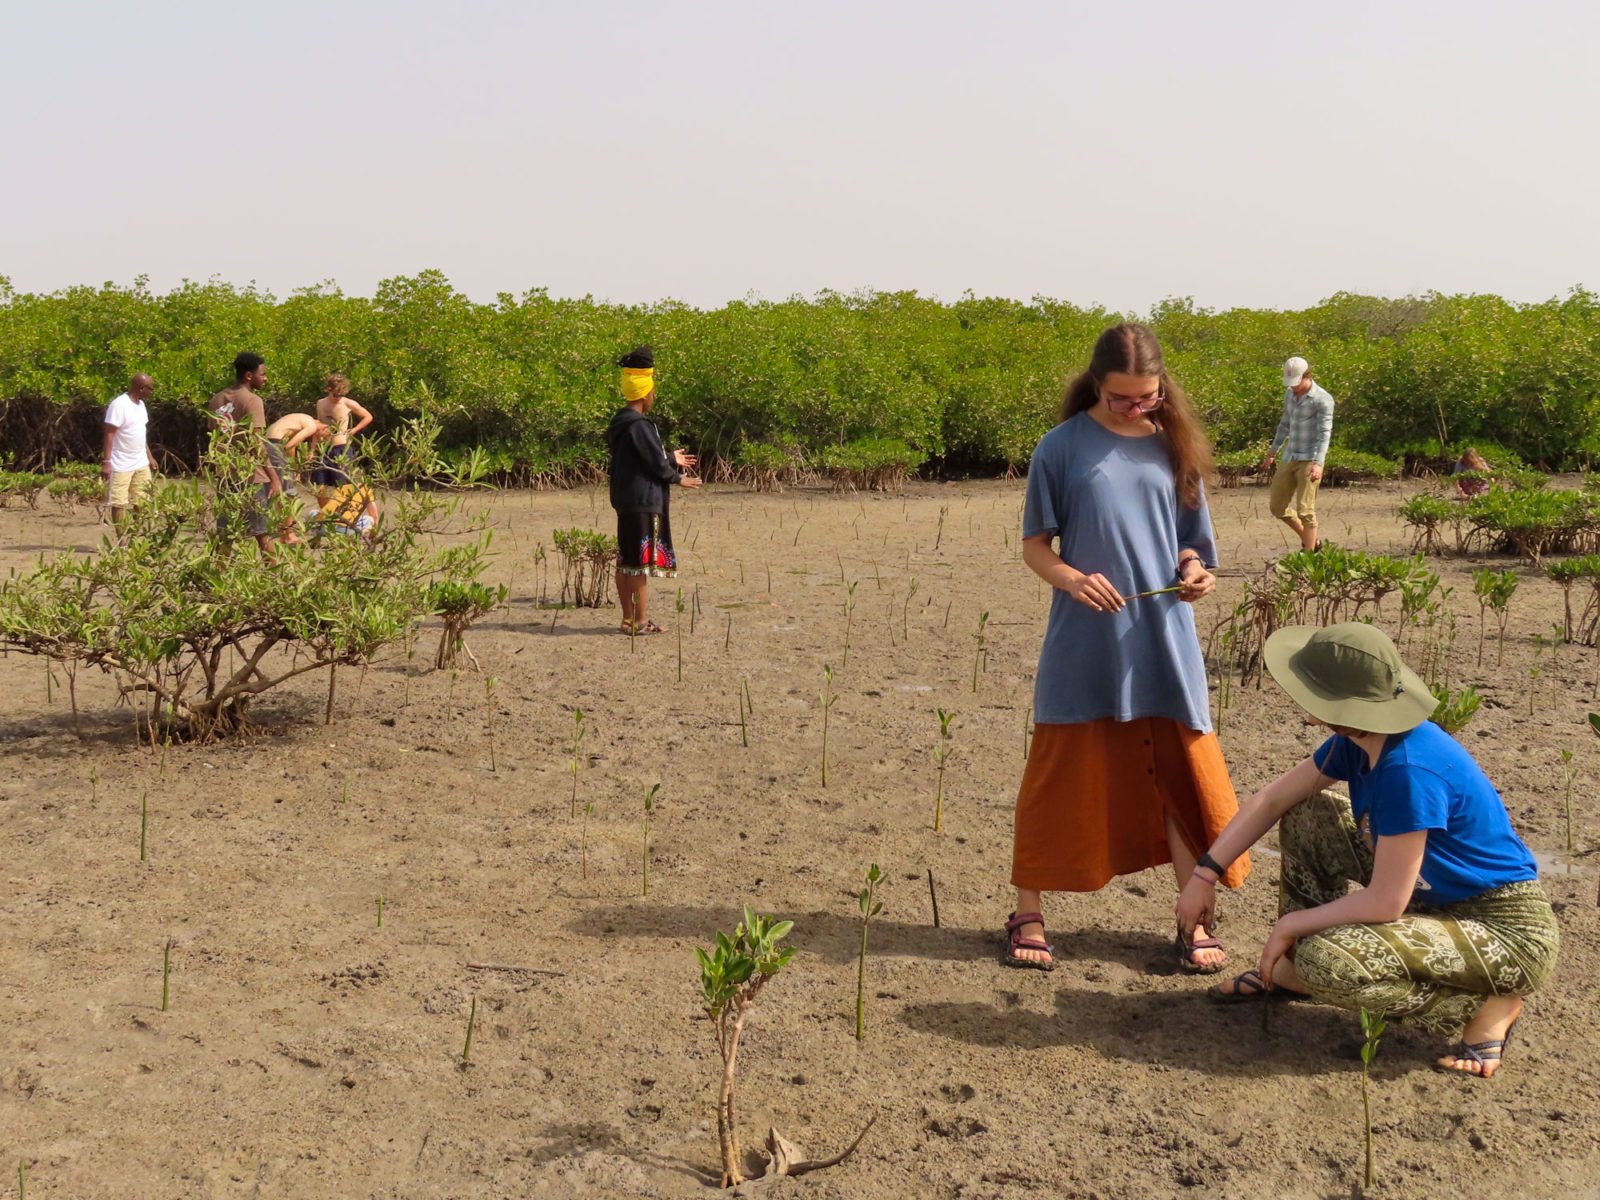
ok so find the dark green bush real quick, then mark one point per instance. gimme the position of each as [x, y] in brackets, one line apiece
[968, 385]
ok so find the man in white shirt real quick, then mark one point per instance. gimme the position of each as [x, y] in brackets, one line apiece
[127, 463]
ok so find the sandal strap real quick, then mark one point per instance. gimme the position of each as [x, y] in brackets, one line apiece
[1017, 920]
[1491, 1051]
[1033, 944]
[1247, 983]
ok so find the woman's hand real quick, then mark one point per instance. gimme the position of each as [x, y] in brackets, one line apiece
[690, 481]
[1096, 592]
[1279, 942]
[1197, 581]
[1197, 904]
[684, 459]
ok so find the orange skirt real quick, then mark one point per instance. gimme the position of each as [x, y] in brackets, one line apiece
[1094, 797]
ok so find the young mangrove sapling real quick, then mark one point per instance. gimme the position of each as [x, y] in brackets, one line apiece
[577, 740]
[732, 977]
[649, 811]
[978, 657]
[870, 906]
[472, 1019]
[1570, 773]
[827, 697]
[1371, 1029]
[941, 755]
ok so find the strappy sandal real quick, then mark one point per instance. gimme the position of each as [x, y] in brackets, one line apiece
[1015, 941]
[1246, 986]
[1482, 1053]
[1186, 959]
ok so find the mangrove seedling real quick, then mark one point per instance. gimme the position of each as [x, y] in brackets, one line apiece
[1371, 1029]
[472, 1019]
[941, 755]
[22, 1181]
[680, 635]
[978, 657]
[94, 785]
[1570, 773]
[732, 977]
[144, 821]
[588, 810]
[1455, 708]
[744, 731]
[649, 811]
[748, 703]
[166, 972]
[727, 635]
[1027, 732]
[380, 911]
[870, 906]
[489, 685]
[905, 613]
[827, 697]
[849, 612]
[577, 740]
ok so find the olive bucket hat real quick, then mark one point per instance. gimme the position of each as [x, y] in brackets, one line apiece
[1349, 675]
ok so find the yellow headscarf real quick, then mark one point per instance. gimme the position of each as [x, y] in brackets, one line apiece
[637, 383]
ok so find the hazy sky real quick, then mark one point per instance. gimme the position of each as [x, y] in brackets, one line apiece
[1258, 154]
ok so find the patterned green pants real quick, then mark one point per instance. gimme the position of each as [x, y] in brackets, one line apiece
[1434, 966]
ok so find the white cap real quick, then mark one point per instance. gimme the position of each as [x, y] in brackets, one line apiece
[1294, 371]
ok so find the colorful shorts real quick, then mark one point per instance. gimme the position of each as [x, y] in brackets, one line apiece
[644, 545]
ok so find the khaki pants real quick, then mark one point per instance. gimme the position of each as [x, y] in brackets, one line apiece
[127, 488]
[1294, 492]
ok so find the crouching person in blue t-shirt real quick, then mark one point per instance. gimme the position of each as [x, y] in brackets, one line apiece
[1450, 928]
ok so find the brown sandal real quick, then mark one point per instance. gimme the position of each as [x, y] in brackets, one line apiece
[1015, 941]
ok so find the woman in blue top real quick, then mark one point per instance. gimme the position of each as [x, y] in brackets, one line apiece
[1124, 772]
[1450, 927]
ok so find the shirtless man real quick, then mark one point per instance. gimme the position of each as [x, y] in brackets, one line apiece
[241, 405]
[283, 435]
[335, 410]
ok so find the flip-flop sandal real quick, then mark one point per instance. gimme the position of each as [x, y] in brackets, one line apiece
[651, 627]
[1482, 1053]
[1186, 959]
[1014, 941]
[1247, 986]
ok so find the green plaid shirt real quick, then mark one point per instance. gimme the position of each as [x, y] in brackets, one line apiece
[1306, 426]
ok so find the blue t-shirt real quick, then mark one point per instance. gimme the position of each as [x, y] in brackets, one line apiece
[1114, 502]
[1424, 779]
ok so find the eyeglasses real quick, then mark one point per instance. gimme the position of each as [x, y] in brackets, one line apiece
[1148, 402]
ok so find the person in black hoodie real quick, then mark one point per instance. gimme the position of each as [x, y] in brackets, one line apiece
[641, 474]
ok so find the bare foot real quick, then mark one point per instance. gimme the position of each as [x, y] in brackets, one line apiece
[1483, 1042]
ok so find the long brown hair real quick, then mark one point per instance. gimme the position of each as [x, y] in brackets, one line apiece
[1133, 350]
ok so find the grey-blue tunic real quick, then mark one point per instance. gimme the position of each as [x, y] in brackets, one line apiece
[1114, 502]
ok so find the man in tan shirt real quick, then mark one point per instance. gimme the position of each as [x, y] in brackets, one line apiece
[241, 405]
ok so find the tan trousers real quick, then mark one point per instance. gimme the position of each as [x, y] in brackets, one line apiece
[1294, 492]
